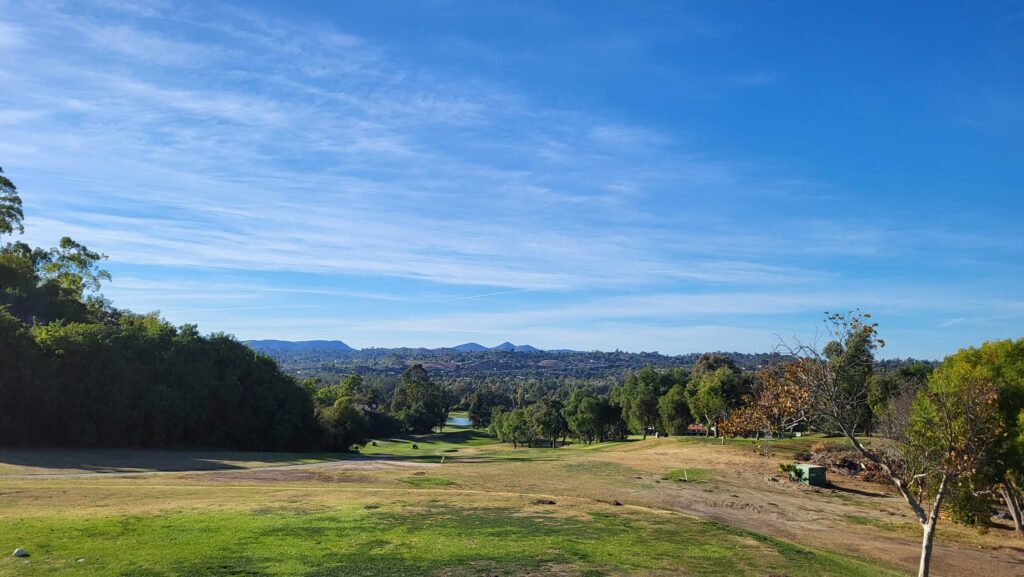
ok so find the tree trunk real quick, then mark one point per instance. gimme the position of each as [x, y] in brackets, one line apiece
[929, 528]
[927, 520]
[926, 549]
[1014, 506]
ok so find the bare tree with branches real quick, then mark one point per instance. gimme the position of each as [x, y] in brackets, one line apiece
[940, 432]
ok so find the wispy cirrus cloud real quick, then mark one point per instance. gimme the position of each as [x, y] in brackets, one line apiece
[266, 158]
[252, 163]
[10, 35]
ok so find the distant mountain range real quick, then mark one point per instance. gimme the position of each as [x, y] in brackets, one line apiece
[505, 346]
[275, 345]
[500, 365]
[272, 345]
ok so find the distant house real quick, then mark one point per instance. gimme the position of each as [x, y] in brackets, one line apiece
[696, 429]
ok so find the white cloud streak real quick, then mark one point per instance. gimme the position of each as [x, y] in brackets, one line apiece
[216, 141]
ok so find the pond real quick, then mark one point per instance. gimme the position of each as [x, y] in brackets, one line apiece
[457, 421]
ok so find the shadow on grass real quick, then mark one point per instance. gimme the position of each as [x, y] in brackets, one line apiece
[149, 460]
[853, 491]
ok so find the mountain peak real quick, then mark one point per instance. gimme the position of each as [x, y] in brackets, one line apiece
[470, 347]
[507, 346]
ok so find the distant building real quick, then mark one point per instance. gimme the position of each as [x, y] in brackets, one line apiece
[696, 430]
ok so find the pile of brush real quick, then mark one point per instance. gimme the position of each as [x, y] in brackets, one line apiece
[845, 461]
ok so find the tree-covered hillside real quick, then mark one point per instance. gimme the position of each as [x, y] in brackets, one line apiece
[75, 371]
[499, 368]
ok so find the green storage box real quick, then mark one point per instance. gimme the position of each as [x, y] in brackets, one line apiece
[812, 474]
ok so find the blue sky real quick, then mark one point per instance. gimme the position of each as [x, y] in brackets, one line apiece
[675, 176]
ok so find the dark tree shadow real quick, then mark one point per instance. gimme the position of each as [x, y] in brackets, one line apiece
[142, 460]
[853, 491]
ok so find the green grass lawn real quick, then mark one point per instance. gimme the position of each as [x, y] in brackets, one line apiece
[447, 444]
[429, 447]
[484, 512]
[405, 537]
[690, 475]
[433, 446]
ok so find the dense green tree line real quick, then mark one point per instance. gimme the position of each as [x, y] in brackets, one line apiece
[77, 372]
[355, 410]
[666, 402]
[647, 401]
[137, 381]
[506, 370]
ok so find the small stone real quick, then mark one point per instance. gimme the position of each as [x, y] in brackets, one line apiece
[19, 552]
[80, 560]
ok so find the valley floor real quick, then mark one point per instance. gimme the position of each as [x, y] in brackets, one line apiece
[460, 504]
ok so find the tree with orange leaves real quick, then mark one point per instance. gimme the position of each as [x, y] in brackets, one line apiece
[777, 406]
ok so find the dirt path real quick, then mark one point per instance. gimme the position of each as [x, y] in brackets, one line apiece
[801, 520]
[822, 518]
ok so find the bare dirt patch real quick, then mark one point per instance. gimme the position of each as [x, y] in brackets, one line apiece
[348, 471]
[741, 495]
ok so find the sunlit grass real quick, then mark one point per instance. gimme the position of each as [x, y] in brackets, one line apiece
[690, 475]
[408, 537]
[487, 513]
[431, 447]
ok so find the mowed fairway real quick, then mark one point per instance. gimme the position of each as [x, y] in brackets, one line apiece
[618, 509]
